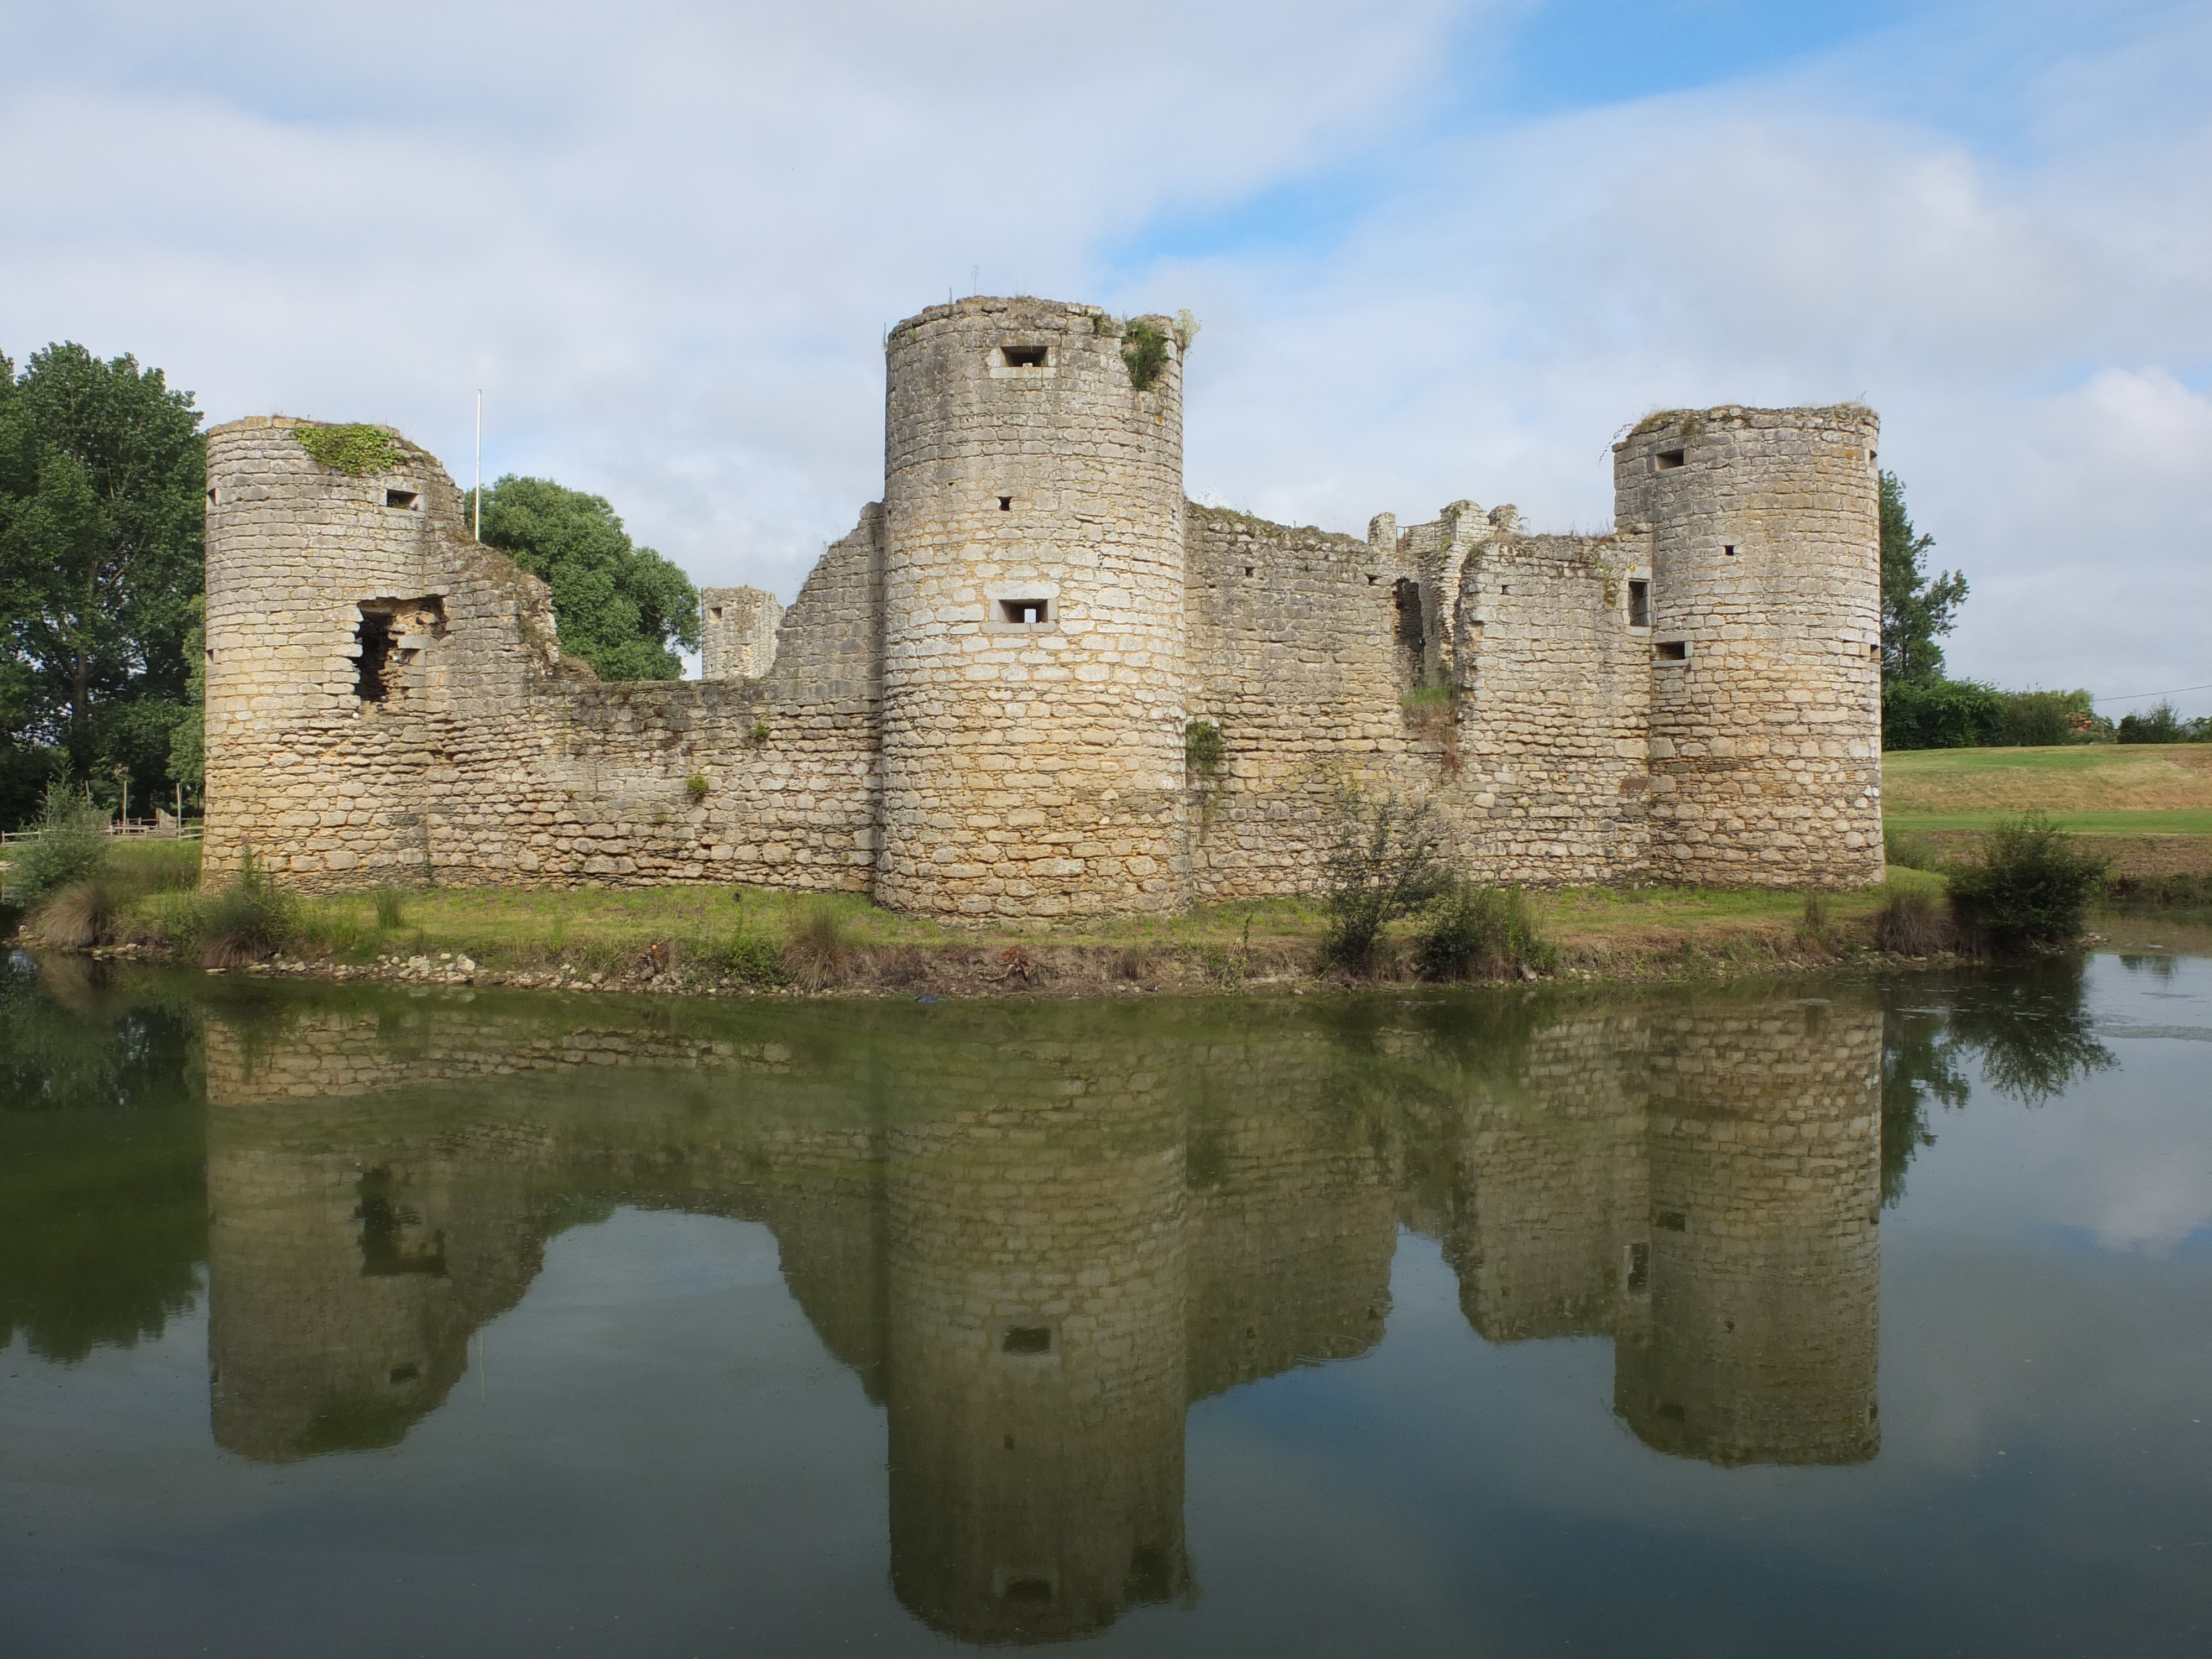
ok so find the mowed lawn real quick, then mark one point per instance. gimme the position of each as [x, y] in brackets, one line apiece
[2133, 789]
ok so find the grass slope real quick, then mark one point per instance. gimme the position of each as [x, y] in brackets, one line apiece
[2150, 787]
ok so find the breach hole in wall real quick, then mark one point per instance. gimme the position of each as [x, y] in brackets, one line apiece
[1671, 1410]
[1248, 569]
[1029, 613]
[405, 1373]
[392, 1240]
[1667, 459]
[392, 634]
[1408, 634]
[1026, 1339]
[1671, 651]
[1639, 604]
[401, 497]
[1025, 356]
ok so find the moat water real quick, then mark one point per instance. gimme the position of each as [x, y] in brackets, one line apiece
[1840, 1317]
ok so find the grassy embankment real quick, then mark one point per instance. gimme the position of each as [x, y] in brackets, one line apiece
[753, 939]
[2145, 808]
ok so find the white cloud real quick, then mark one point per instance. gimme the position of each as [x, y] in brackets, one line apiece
[666, 238]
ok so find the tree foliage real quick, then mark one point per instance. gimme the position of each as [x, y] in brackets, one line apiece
[621, 608]
[2032, 888]
[1385, 861]
[1915, 606]
[2162, 725]
[102, 468]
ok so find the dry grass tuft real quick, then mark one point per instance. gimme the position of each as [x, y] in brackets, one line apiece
[1911, 921]
[79, 916]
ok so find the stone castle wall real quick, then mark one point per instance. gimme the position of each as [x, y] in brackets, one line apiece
[978, 705]
[480, 753]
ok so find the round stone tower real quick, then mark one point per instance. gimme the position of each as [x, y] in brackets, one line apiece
[326, 670]
[1766, 538]
[1034, 698]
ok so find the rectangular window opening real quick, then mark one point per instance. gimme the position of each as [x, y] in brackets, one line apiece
[1667, 459]
[1025, 356]
[1005, 503]
[713, 613]
[1671, 651]
[1638, 1276]
[1673, 1221]
[1639, 604]
[400, 497]
[211, 498]
[1728, 551]
[405, 1373]
[1029, 613]
[1029, 1591]
[1026, 1339]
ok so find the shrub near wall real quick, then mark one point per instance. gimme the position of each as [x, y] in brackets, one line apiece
[2031, 889]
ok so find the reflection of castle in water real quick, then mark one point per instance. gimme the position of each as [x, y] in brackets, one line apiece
[1037, 1243]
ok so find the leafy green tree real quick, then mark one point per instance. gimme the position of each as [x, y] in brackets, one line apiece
[621, 608]
[2162, 725]
[102, 468]
[1915, 606]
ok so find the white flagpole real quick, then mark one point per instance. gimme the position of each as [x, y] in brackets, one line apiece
[479, 495]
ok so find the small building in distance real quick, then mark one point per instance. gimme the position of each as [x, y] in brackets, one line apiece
[992, 699]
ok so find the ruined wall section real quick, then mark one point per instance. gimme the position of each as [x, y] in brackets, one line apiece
[1494, 676]
[737, 633]
[1292, 656]
[1766, 589]
[1550, 714]
[476, 753]
[1033, 659]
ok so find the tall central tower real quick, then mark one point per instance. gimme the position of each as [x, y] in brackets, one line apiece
[1034, 698]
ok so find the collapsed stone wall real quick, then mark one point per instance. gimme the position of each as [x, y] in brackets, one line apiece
[475, 752]
[1494, 676]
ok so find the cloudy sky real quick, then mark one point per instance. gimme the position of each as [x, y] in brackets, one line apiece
[1439, 250]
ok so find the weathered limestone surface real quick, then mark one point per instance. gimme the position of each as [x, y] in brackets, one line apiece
[737, 632]
[978, 705]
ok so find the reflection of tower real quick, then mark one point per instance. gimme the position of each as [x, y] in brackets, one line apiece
[1036, 1382]
[342, 1298]
[1765, 1263]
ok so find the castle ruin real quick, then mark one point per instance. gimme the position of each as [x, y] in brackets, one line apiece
[983, 703]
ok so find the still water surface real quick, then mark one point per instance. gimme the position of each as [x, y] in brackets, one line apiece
[1825, 1318]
